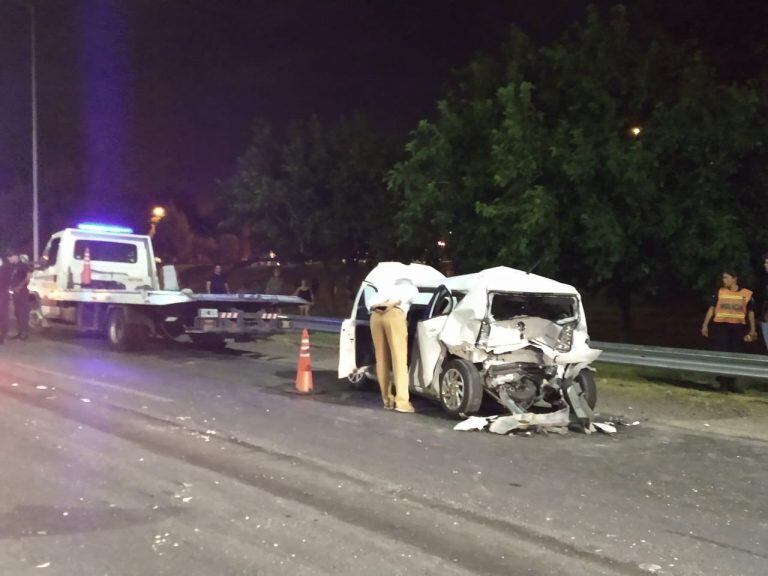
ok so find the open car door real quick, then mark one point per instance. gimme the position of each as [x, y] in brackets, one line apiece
[349, 341]
[427, 333]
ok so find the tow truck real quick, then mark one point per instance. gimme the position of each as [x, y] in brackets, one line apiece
[104, 278]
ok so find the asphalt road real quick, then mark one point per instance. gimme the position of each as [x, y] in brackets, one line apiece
[177, 461]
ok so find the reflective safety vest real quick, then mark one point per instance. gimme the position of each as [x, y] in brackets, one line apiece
[732, 306]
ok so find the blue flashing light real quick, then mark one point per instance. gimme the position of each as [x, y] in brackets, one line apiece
[108, 228]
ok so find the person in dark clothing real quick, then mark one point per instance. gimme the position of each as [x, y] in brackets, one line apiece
[19, 284]
[764, 299]
[5, 286]
[732, 307]
[305, 291]
[217, 284]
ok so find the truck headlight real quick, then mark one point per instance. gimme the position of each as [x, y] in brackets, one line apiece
[565, 340]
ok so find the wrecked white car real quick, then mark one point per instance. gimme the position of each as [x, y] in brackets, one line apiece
[516, 337]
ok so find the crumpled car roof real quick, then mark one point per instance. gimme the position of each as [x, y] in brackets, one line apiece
[504, 279]
[421, 275]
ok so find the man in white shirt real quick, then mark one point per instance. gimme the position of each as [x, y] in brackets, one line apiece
[389, 329]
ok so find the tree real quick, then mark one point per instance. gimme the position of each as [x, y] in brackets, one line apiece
[314, 193]
[531, 159]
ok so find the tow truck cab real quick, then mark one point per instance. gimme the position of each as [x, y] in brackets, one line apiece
[119, 261]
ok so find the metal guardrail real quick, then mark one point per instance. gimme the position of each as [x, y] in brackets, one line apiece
[703, 361]
[706, 361]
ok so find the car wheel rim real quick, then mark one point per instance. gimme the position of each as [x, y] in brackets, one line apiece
[452, 392]
[357, 377]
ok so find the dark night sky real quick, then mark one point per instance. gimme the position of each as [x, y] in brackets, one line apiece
[151, 100]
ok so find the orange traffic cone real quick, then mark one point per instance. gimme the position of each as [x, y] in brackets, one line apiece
[85, 276]
[304, 372]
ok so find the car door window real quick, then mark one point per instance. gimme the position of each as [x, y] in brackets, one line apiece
[362, 312]
[51, 252]
[442, 303]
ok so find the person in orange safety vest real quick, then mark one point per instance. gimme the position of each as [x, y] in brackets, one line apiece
[732, 308]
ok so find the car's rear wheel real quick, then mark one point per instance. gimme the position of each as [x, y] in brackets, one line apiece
[461, 388]
[359, 380]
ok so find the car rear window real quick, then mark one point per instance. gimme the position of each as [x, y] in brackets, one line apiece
[120, 252]
[551, 307]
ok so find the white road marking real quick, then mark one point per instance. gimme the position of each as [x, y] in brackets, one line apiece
[93, 382]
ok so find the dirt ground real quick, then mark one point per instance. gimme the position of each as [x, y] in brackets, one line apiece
[650, 396]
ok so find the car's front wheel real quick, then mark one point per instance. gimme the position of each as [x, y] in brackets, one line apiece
[587, 380]
[461, 388]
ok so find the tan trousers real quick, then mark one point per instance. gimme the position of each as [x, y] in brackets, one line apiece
[390, 341]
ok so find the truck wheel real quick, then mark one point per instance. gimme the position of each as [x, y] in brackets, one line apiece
[587, 380]
[212, 342]
[461, 388]
[37, 323]
[123, 336]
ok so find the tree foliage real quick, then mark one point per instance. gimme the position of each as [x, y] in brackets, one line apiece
[530, 159]
[316, 192]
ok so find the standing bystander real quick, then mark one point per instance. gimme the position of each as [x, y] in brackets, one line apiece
[217, 283]
[5, 287]
[275, 283]
[305, 291]
[19, 281]
[389, 330]
[764, 297]
[729, 312]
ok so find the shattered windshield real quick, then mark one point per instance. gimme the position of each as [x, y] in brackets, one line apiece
[552, 307]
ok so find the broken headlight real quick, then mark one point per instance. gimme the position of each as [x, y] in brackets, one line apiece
[565, 340]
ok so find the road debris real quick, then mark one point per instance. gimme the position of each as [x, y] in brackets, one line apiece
[41, 387]
[85, 400]
[472, 423]
[652, 568]
[557, 422]
[43, 565]
[605, 427]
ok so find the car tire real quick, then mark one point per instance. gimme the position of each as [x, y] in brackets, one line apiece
[587, 380]
[359, 380]
[123, 336]
[461, 388]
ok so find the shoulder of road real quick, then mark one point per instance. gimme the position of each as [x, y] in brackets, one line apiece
[651, 396]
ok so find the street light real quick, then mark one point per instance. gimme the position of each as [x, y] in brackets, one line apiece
[33, 96]
[158, 213]
[635, 131]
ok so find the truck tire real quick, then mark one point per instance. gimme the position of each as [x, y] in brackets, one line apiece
[123, 336]
[211, 342]
[587, 380]
[461, 388]
[37, 322]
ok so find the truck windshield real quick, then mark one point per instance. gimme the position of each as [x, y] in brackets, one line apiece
[121, 252]
[553, 307]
